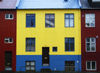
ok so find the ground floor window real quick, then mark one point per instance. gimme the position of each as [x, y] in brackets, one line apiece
[30, 65]
[69, 66]
[91, 65]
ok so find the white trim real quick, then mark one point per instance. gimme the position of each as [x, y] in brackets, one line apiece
[8, 40]
[90, 44]
[91, 66]
[89, 18]
[9, 17]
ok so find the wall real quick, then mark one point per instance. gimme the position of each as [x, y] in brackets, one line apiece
[7, 29]
[90, 32]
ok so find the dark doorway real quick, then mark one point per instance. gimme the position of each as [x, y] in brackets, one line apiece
[45, 56]
[8, 60]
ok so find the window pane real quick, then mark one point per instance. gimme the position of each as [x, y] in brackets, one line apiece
[66, 46]
[32, 63]
[32, 68]
[30, 44]
[71, 16]
[7, 15]
[87, 39]
[90, 20]
[93, 47]
[88, 65]
[27, 63]
[49, 20]
[71, 22]
[28, 68]
[66, 16]
[67, 22]
[30, 20]
[93, 65]
[71, 46]
[55, 49]
[88, 46]
[11, 16]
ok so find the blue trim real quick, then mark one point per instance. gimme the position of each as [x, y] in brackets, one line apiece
[57, 62]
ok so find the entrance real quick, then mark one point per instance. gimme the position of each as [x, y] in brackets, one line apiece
[8, 61]
[45, 56]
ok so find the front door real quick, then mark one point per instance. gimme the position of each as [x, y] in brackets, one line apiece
[45, 56]
[8, 60]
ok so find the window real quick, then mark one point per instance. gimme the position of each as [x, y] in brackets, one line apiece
[91, 44]
[49, 20]
[30, 66]
[30, 20]
[90, 20]
[8, 40]
[9, 16]
[69, 20]
[69, 44]
[91, 65]
[54, 49]
[69, 66]
[30, 44]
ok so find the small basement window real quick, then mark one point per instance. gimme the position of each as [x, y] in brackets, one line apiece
[54, 49]
[8, 40]
[9, 16]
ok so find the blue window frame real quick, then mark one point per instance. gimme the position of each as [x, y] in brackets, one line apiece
[30, 44]
[49, 20]
[69, 44]
[30, 20]
[69, 20]
[54, 49]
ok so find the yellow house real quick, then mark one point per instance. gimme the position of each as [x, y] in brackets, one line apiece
[48, 38]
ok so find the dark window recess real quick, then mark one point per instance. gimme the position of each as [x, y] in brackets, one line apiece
[69, 44]
[45, 56]
[30, 20]
[8, 60]
[69, 66]
[54, 49]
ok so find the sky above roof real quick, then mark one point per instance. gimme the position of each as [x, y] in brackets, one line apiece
[48, 4]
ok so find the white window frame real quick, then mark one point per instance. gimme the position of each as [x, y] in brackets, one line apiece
[90, 44]
[9, 16]
[89, 16]
[8, 40]
[91, 66]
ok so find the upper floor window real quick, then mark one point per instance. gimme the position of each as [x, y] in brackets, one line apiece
[9, 16]
[8, 40]
[69, 20]
[30, 44]
[69, 44]
[91, 44]
[91, 65]
[30, 20]
[90, 20]
[49, 20]
[54, 49]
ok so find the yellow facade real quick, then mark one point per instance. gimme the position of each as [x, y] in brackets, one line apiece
[48, 37]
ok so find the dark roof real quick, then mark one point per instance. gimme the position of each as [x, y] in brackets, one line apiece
[88, 4]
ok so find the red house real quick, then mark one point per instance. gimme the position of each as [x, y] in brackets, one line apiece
[90, 35]
[7, 35]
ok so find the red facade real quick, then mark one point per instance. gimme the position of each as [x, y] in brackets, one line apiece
[7, 29]
[90, 32]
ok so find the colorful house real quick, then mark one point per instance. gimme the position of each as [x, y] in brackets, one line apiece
[90, 13]
[48, 35]
[8, 35]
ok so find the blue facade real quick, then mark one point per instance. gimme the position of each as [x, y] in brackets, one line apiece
[57, 62]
